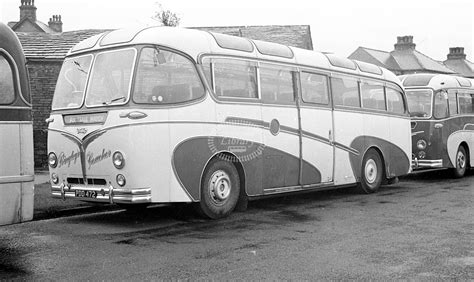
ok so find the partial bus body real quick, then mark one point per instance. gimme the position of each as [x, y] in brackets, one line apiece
[169, 115]
[16, 133]
[442, 110]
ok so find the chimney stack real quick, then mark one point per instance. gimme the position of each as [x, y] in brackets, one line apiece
[55, 23]
[28, 10]
[405, 43]
[456, 53]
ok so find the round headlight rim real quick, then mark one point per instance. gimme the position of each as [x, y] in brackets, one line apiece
[122, 160]
[52, 156]
[421, 144]
[121, 183]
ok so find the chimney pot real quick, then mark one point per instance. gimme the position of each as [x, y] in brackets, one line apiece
[405, 43]
[456, 53]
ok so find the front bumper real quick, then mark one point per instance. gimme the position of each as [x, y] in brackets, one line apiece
[421, 164]
[105, 194]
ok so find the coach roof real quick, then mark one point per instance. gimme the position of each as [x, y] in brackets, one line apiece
[196, 43]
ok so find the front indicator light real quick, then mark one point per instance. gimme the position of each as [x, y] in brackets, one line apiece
[52, 160]
[121, 180]
[54, 178]
[421, 154]
[118, 160]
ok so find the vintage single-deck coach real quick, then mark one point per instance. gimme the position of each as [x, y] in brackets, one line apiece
[442, 110]
[16, 133]
[166, 115]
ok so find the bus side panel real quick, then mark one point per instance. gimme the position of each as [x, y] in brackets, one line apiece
[27, 168]
[10, 203]
[10, 193]
[347, 126]
[463, 132]
[400, 160]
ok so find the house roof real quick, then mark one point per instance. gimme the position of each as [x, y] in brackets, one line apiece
[290, 35]
[415, 61]
[45, 46]
[400, 60]
[461, 66]
[39, 26]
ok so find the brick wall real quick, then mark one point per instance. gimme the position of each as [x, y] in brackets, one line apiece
[43, 76]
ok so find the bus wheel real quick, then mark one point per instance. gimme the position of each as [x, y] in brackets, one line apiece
[220, 189]
[372, 172]
[461, 163]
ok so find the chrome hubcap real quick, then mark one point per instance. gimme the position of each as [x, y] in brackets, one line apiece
[219, 186]
[461, 160]
[370, 171]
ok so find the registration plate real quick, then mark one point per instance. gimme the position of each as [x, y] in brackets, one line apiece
[86, 194]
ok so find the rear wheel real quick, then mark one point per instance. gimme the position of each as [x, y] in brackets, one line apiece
[220, 189]
[371, 173]
[460, 165]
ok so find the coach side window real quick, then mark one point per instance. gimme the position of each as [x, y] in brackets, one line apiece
[395, 102]
[165, 77]
[234, 78]
[453, 105]
[373, 96]
[441, 104]
[276, 84]
[7, 91]
[465, 103]
[345, 92]
[314, 88]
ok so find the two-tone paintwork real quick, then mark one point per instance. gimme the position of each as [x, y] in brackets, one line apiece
[16, 137]
[443, 136]
[279, 148]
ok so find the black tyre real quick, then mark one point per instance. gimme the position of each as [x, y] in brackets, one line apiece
[460, 165]
[371, 172]
[220, 189]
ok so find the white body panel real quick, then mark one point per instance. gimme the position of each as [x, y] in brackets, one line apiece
[319, 153]
[16, 172]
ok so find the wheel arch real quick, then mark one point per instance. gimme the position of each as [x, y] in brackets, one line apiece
[382, 158]
[468, 152]
[231, 157]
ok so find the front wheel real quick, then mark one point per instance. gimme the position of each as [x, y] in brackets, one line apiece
[460, 165]
[220, 189]
[372, 172]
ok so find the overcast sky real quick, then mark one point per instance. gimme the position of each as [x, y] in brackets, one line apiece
[338, 26]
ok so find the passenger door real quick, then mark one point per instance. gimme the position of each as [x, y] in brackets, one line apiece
[281, 155]
[316, 130]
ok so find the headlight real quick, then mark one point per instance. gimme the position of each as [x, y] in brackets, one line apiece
[121, 180]
[118, 160]
[52, 160]
[54, 178]
[421, 144]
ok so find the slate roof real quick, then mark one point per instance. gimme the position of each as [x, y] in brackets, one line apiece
[45, 46]
[412, 60]
[290, 35]
[400, 60]
[40, 26]
[461, 66]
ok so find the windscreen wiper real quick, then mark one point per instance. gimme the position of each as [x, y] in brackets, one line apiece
[113, 100]
[79, 67]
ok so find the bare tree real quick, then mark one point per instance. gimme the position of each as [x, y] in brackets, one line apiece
[166, 17]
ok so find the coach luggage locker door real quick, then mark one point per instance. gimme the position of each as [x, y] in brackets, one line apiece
[316, 130]
[281, 134]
